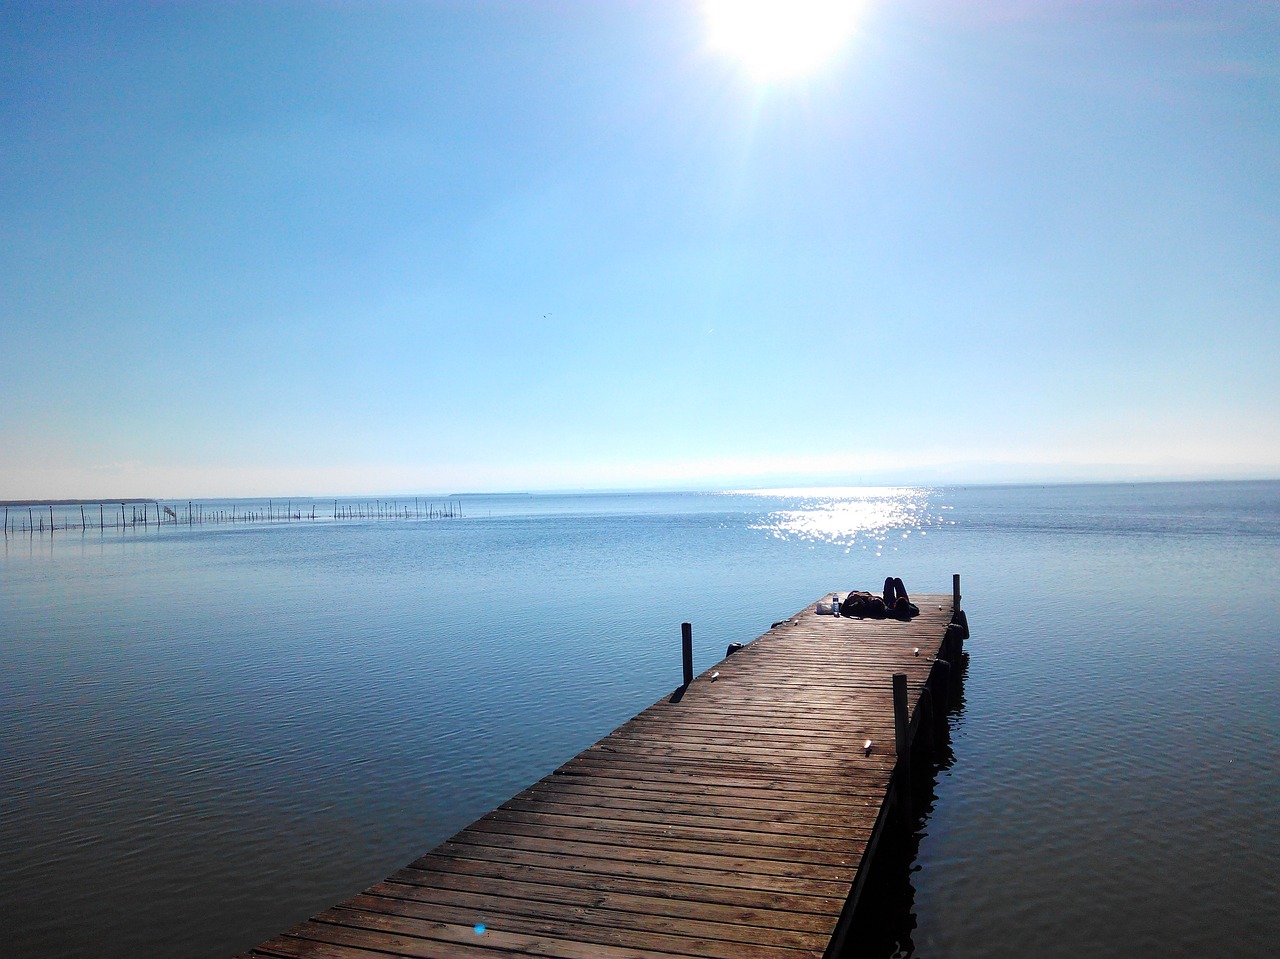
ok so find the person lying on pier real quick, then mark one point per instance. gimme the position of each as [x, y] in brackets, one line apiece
[895, 603]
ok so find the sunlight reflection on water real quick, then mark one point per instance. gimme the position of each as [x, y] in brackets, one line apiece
[848, 515]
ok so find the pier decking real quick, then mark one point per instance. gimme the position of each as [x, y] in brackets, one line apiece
[733, 818]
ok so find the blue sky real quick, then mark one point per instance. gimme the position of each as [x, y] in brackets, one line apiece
[323, 248]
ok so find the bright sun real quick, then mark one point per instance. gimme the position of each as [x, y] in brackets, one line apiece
[776, 39]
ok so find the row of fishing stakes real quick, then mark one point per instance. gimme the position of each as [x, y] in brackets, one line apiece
[146, 515]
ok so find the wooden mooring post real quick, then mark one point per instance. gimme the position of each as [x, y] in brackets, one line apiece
[686, 651]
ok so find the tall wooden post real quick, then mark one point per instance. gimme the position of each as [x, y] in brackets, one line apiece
[955, 593]
[686, 649]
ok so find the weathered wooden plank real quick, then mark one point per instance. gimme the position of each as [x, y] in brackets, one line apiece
[713, 793]
[287, 947]
[657, 837]
[690, 887]
[676, 854]
[826, 836]
[707, 875]
[781, 825]
[524, 914]
[744, 920]
[452, 941]
[880, 763]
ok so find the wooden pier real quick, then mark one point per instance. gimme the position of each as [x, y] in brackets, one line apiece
[735, 818]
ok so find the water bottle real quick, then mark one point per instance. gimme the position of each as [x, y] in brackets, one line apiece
[835, 604]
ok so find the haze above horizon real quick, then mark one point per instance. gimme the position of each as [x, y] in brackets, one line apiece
[330, 249]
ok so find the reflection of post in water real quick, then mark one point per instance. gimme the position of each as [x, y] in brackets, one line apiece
[884, 920]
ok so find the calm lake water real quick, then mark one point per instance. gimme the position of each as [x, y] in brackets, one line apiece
[210, 733]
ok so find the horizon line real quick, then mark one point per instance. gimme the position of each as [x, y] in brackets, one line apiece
[640, 490]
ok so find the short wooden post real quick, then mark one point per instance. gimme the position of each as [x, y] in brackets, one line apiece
[901, 716]
[955, 593]
[686, 648]
[940, 681]
[953, 643]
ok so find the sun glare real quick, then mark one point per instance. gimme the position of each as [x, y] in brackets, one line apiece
[778, 39]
